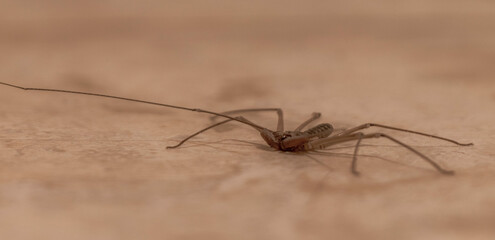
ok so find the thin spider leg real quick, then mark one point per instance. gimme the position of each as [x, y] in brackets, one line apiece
[131, 100]
[322, 143]
[427, 159]
[198, 132]
[354, 156]
[368, 125]
[314, 116]
[280, 113]
[242, 119]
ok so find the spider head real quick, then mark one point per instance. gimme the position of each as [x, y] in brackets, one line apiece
[272, 138]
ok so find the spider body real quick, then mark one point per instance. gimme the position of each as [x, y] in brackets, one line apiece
[295, 141]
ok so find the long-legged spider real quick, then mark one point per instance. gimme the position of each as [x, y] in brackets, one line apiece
[318, 137]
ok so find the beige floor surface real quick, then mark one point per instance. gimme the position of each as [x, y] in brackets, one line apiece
[77, 167]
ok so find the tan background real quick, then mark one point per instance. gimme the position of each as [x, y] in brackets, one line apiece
[76, 167]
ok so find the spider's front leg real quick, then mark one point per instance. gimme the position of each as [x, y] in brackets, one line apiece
[239, 118]
[280, 114]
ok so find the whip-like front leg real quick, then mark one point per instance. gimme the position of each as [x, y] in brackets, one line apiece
[280, 113]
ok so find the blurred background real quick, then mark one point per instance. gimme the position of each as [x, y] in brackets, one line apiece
[78, 167]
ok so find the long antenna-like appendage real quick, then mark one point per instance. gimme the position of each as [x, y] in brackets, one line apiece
[134, 100]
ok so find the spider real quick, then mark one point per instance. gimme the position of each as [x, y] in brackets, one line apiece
[315, 138]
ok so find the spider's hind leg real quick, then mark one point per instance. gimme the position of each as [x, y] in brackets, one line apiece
[427, 159]
[330, 141]
[368, 125]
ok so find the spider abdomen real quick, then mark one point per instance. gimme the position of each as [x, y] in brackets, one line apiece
[320, 131]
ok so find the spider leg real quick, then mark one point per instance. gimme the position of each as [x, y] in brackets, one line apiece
[313, 117]
[368, 125]
[354, 156]
[242, 119]
[326, 142]
[280, 113]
